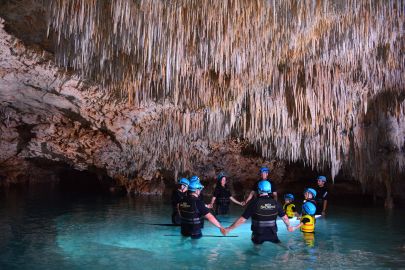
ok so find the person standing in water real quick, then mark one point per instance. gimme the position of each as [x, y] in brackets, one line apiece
[289, 206]
[264, 173]
[222, 196]
[307, 223]
[192, 209]
[309, 195]
[264, 211]
[193, 179]
[177, 195]
[321, 196]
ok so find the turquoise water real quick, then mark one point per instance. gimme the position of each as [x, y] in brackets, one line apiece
[49, 231]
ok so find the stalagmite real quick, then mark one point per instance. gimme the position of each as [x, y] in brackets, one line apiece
[294, 78]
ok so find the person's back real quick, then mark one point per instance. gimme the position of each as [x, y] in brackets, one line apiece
[307, 221]
[190, 216]
[264, 211]
[265, 215]
[192, 211]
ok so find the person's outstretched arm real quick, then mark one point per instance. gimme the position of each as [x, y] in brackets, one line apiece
[286, 222]
[236, 224]
[212, 202]
[293, 228]
[235, 201]
[214, 222]
[249, 197]
[325, 204]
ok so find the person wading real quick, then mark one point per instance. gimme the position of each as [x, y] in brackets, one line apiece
[321, 196]
[264, 174]
[192, 209]
[264, 211]
[177, 196]
[222, 196]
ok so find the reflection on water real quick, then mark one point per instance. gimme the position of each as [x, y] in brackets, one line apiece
[47, 231]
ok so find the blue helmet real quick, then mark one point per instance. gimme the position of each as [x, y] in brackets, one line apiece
[194, 178]
[184, 181]
[220, 175]
[309, 208]
[264, 170]
[312, 191]
[264, 186]
[322, 178]
[196, 185]
[289, 197]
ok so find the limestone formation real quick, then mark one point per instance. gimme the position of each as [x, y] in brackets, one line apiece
[150, 86]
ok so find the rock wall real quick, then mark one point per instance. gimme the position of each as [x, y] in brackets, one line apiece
[50, 120]
[48, 114]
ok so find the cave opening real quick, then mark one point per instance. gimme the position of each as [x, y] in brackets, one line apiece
[73, 181]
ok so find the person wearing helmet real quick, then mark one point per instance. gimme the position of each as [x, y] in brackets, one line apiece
[264, 173]
[222, 196]
[192, 209]
[307, 223]
[321, 196]
[309, 195]
[289, 206]
[177, 196]
[195, 178]
[264, 211]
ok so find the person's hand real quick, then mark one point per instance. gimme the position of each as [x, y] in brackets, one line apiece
[323, 213]
[208, 206]
[290, 228]
[223, 231]
[243, 203]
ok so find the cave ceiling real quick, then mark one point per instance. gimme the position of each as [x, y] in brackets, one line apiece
[321, 82]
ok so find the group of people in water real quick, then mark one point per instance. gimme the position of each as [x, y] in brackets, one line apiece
[189, 209]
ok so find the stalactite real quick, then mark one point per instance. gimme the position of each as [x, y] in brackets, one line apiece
[295, 78]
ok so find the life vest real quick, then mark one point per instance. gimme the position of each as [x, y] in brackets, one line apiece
[310, 225]
[265, 215]
[189, 213]
[288, 209]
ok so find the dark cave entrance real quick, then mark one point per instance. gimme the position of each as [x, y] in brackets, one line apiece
[72, 181]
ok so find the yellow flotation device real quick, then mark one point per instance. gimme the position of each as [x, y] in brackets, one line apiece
[288, 209]
[309, 226]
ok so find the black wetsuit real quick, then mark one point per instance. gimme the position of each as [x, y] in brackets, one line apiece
[321, 196]
[264, 211]
[192, 210]
[177, 196]
[222, 201]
